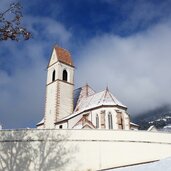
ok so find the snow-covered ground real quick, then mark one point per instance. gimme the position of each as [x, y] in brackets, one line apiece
[162, 165]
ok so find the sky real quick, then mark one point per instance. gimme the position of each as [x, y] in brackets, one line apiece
[122, 44]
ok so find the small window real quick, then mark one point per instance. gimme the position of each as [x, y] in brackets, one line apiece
[60, 126]
[110, 121]
[65, 75]
[97, 121]
[53, 76]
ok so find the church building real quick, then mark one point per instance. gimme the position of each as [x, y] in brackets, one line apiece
[83, 108]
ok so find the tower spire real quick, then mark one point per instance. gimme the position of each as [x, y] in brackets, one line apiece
[60, 81]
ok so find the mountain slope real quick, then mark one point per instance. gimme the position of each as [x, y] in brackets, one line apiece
[160, 118]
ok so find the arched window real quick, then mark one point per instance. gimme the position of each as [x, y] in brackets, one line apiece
[65, 75]
[97, 121]
[110, 121]
[53, 76]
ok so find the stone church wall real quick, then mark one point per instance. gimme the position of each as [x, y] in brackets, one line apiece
[79, 150]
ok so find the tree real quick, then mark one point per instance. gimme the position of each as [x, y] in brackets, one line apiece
[10, 24]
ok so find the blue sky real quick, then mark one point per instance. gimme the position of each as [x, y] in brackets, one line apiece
[123, 44]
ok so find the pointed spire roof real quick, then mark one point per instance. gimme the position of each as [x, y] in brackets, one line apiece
[62, 55]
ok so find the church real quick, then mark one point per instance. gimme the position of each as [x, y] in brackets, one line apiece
[82, 108]
[81, 130]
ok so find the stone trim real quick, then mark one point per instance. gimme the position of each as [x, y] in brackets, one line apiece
[59, 80]
[129, 165]
[85, 140]
[45, 108]
[60, 62]
[57, 102]
[93, 109]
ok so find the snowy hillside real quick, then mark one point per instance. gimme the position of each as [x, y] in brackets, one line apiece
[163, 165]
[160, 118]
[167, 128]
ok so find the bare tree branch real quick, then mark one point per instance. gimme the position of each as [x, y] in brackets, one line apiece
[10, 24]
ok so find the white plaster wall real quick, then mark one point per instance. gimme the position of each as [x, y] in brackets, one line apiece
[50, 106]
[66, 99]
[98, 149]
[64, 126]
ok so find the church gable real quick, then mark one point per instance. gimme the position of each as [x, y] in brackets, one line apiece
[53, 58]
[84, 123]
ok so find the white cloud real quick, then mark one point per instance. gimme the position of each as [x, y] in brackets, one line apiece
[136, 68]
[46, 28]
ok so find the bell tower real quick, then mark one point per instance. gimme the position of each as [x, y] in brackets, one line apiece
[59, 87]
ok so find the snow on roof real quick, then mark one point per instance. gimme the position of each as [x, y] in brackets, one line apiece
[82, 92]
[152, 128]
[134, 124]
[167, 126]
[98, 99]
[41, 122]
[102, 98]
[76, 96]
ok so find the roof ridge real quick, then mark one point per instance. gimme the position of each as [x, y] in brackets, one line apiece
[92, 94]
[57, 46]
[112, 97]
[106, 91]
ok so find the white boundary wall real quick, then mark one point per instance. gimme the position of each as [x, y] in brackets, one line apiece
[98, 149]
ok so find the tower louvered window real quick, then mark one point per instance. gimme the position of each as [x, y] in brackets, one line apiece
[53, 76]
[65, 75]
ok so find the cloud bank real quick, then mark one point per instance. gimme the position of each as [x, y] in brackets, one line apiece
[136, 68]
[125, 47]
